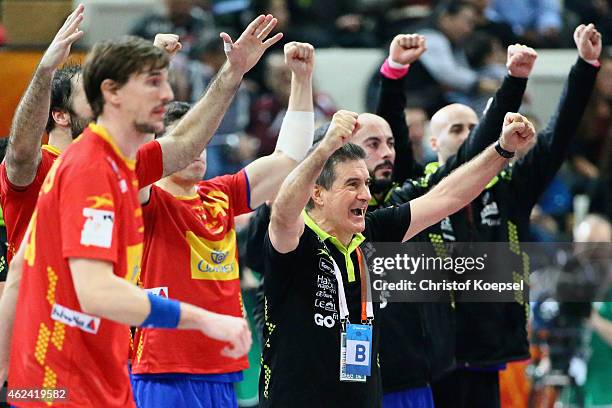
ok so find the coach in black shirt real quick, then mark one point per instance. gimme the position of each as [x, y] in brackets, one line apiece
[306, 250]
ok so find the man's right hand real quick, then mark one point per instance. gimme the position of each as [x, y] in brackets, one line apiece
[588, 42]
[521, 60]
[343, 126]
[59, 49]
[230, 329]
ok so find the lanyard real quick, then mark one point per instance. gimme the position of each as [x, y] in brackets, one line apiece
[367, 311]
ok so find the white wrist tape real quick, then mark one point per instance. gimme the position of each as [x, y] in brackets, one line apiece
[397, 65]
[296, 134]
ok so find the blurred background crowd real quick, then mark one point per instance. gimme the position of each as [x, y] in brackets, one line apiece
[465, 63]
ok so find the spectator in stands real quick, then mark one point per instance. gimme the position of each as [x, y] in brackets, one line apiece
[325, 23]
[498, 29]
[596, 228]
[536, 22]
[181, 17]
[443, 75]
[598, 12]
[418, 121]
[267, 111]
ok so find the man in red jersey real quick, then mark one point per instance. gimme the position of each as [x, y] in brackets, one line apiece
[173, 368]
[56, 95]
[75, 286]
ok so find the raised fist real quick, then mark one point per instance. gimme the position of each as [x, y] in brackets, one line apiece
[588, 42]
[517, 133]
[407, 48]
[520, 60]
[168, 42]
[300, 57]
[343, 126]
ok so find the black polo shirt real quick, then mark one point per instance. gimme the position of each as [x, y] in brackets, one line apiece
[301, 352]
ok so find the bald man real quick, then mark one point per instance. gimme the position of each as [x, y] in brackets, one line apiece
[488, 336]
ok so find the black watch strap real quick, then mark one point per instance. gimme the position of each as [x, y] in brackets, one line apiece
[503, 152]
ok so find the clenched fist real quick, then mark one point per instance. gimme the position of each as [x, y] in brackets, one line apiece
[588, 42]
[517, 133]
[343, 126]
[300, 57]
[407, 48]
[168, 42]
[520, 60]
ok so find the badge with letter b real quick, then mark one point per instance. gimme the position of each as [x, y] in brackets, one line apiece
[356, 353]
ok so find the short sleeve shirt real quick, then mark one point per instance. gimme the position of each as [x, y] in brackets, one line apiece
[301, 352]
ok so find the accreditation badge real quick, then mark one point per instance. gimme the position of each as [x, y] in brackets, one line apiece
[356, 353]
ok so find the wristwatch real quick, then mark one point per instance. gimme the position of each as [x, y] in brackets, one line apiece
[503, 152]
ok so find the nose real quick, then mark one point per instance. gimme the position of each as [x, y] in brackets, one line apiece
[364, 193]
[167, 94]
[386, 151]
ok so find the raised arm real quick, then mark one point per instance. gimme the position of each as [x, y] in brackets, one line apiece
[508, 98]
[286, 222]
[23, 151]
[103, 294]
[403, 51]
[464, 184]
[297, 131]
[187, 140]
[541, 164]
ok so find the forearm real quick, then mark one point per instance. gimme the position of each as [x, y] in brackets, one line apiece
[28, 127]
[300, 98]
[8, 306]
[467, 182]
[187, 140]
[391, 104]
[296, 189]
[508, 98]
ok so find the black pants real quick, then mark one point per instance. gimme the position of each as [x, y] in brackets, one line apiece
[467, 389]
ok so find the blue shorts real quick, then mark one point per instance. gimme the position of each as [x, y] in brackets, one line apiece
[185, 390]
[410, 398]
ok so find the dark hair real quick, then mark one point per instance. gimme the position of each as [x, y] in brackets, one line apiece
[117, 60]
[452, 8]
[62, 88]
[478, 47]
[175, 111]
[348, 152]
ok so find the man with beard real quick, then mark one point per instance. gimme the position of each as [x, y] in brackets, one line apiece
[490, 335]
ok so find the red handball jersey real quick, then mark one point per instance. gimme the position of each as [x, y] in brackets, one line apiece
[190, 254]
[18, 202]
[88, 208]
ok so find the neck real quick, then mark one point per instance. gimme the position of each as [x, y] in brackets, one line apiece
[328, 226]
[60, 138]
[186, 189]
[127, 138]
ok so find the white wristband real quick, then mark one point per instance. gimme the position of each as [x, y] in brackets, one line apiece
[296, 134]
[396, 65]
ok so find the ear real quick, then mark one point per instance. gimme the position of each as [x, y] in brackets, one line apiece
[433, 141]
[61, 118]
[110, 91]
[317, 195]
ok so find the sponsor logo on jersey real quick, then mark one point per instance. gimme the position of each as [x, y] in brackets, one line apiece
[72, 318]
